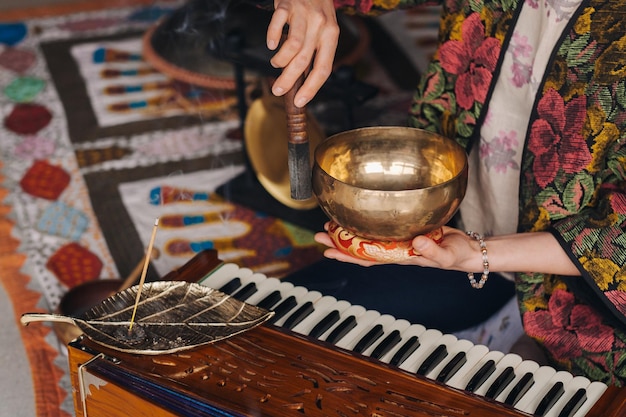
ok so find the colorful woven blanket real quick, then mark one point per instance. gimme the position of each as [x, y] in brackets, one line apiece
[95, 144]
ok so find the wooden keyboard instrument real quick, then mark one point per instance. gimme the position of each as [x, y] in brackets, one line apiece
[274, 370]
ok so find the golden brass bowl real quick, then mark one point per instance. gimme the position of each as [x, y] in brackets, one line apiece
[389, 183]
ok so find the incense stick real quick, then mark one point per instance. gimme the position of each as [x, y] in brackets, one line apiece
[144, 272]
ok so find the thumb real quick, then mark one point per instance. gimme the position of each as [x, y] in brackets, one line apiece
[423, 245]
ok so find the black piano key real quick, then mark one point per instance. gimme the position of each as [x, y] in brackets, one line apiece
[433, 360]
[244, 293]
[342, 329]
[324, 324]
[518, 391]
[283, 308]
[501, 382]
[481, 376]
[574, 403]
[297, 316]
[386, 344]
[405, 351]
[452, 367]
[370, 337]
[549, 399]
[270, 300]
[231, 286]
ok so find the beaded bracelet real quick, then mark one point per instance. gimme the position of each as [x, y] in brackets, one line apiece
[483, 248]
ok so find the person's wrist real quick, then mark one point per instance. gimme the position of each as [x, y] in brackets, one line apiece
[484, 261]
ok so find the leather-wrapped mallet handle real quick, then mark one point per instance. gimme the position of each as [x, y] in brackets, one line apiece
[298, 144]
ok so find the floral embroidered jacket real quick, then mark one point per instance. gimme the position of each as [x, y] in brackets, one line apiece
[573, 177]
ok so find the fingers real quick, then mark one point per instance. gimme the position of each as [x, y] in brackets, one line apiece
[313, 82]
[343, 257]
[275, 28]
[449, 254]
[312, 38]
[425, 246]
[324, 239]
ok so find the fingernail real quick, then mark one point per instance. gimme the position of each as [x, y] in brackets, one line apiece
[278, 91]
[271, 45]
[301, 101]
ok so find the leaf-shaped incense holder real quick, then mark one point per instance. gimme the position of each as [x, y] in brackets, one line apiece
[171, 316]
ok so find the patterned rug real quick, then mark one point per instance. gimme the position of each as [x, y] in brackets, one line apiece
[95, 144]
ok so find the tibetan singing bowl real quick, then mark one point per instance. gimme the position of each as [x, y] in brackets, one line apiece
[389, 184]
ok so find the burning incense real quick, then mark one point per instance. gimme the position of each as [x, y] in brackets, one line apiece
[143, 273]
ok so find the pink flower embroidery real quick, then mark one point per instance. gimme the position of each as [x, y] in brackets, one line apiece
[473, 59]
[618, 298]
[499, 153]
[520, 49]
[618, 201]
[567, 329]
[556, 139]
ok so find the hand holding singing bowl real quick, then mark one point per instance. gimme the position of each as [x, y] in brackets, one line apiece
[382, 186]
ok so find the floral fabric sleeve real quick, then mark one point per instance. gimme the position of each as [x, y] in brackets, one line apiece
[574, 185]
[575, 166]
[596, 238]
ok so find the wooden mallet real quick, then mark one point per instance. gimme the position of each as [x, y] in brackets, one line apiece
[299, 159]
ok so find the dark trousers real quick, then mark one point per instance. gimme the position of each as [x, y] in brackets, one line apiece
[435, 298]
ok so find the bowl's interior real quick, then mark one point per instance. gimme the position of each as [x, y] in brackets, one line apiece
[389, 183]
[391, 163]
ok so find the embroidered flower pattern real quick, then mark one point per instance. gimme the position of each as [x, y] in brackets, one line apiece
[568, 329]
[499, 153]
[559, 180]
[519, 50]
[473, 60]
[556, 139]
[618, 298]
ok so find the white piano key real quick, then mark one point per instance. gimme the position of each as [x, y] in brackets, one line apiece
[254, 278]
[408, 333]
[570, 389]
[427, 343]
[526, 366]
[267, 287]
[447, 340]
[224, 274]
[221, 276]
[283, 291]
[384, 321]
[461, 345]
[463, 375]
[363, 323]
[594, 392]
[305, 306]
[510, 359]
[399, 325]
[302, 295]
[242, 274]
[250, 286]
[353, 310]
[323, 307]
[531, 405]
[542, 376]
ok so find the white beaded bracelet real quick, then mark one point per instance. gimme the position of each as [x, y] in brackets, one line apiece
[483, 248]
